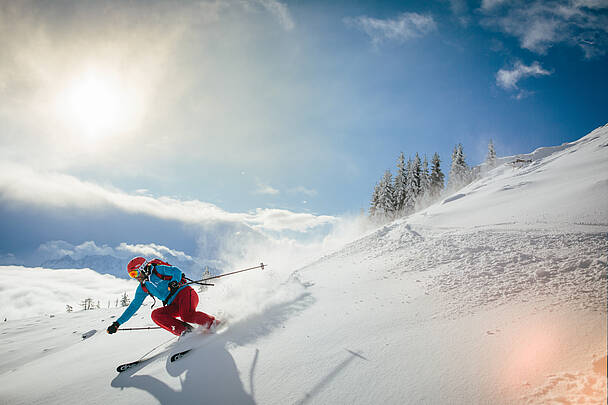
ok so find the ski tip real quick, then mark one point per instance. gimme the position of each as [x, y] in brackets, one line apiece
[124, 367]
[179, 355]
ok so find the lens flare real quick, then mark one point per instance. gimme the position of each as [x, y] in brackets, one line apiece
[533, 353]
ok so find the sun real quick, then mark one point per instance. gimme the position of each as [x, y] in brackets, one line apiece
[96, 104]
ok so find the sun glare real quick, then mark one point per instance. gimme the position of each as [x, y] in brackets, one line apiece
[96, 105]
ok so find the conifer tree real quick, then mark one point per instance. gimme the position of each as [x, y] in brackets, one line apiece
[386, 199]
[400, 185]
[425, 179]
[87, 304]
[416, 183]
[491, 158]
[373, 205]
[413, 181]
[459, 172]
[206, 274]
[124, 300]
[437, 178]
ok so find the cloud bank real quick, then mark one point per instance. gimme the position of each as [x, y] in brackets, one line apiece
[57, 215]
[38, 291]
[47, 190]
[57, 249]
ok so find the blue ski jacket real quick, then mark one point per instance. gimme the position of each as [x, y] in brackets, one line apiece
[157, 287]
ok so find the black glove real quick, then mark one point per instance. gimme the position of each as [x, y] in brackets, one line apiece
[147, 270]
[113, 328]
[173, 285]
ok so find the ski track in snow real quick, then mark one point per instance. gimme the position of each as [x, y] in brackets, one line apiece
[477, 268]
[497, 267]
[470, 271]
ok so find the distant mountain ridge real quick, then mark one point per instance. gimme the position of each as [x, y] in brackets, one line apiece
[104, 264]
[107, 264]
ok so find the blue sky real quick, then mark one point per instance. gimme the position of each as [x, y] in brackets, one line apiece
[276, 116]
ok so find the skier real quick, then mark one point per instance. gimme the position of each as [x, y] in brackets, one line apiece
[166, 282]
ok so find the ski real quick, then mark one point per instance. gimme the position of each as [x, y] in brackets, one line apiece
[144, 359]
[206, 333]
[127, 366]
[173, 358]
[179, 355]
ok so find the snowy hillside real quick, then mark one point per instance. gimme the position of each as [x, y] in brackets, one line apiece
[563, 187]
[496, 294]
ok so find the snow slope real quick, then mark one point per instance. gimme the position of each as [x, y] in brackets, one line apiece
[497, 294]
[555, 188]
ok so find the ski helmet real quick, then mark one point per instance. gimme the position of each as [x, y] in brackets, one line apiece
[135, 266]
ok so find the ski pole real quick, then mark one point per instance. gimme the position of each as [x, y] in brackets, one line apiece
[149, 327]
[199, 283]
[196, 282]
[261, 266]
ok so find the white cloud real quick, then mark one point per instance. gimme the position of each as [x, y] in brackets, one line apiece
[279, 220]
[593, 4]
[130, 54]
[37, 291]
[280, 11]
[123, 41]
[541, 24]
[22, 185]
[404, 27]
[490, 4]
[58, 248]
[303, 190]
[508, 79]
[152, 250]
[90, 248]
[460, 10]
[263, 188]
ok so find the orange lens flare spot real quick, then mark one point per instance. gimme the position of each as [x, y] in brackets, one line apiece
[535, 351]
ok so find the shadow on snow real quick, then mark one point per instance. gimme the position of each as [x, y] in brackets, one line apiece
[208, 374]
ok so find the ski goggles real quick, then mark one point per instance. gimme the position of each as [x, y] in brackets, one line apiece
[134, 273]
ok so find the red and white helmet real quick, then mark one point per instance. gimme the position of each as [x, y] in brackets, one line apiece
[136, 265]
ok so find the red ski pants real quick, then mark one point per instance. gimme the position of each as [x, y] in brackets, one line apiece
[183, 306]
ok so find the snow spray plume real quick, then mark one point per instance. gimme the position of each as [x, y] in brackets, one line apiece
[256, 293]
[201, 282]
